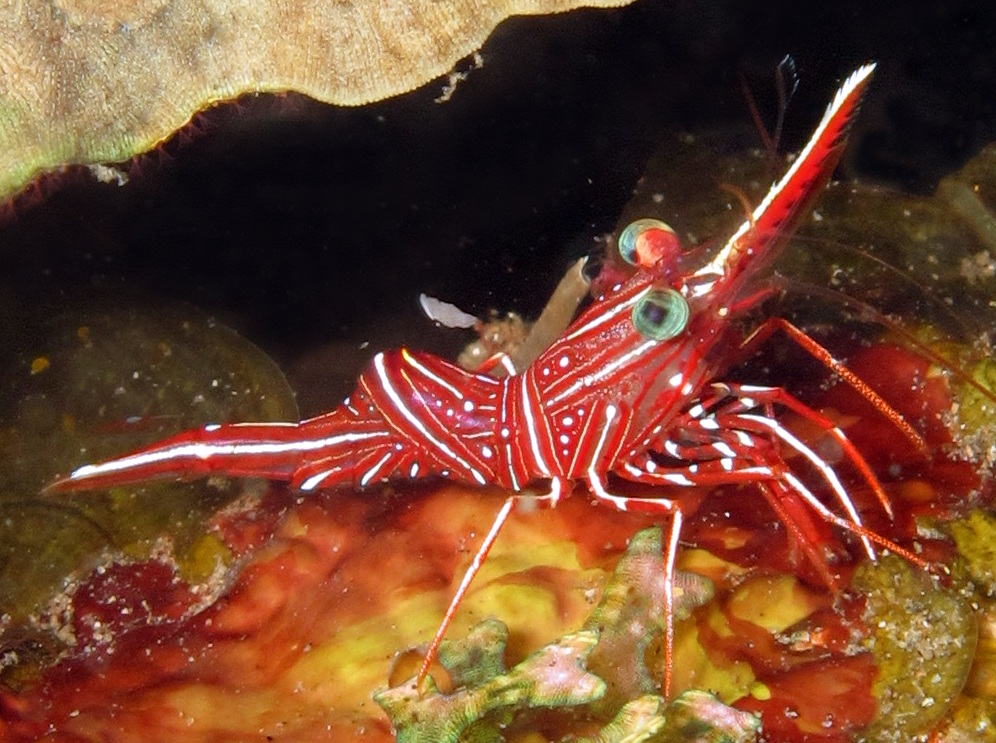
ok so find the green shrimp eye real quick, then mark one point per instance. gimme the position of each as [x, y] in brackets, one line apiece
[661, 314]
[648, 241]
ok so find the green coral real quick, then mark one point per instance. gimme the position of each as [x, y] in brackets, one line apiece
[638, 720]
[699, 717]
[630, 617]
[694, 717]
[553, 676]
[488, 699]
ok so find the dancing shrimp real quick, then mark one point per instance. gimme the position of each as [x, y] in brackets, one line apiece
[632, 390]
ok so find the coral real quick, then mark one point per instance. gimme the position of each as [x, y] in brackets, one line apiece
[85, 82]
[698, 717]
[553, 676]
[629, 618]
[488, 699]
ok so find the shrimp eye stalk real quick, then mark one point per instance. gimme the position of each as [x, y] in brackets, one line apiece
[648, 242]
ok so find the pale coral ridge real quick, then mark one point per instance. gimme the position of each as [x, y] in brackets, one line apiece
[83, 81]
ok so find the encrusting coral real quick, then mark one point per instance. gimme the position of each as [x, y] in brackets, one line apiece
[89, 83]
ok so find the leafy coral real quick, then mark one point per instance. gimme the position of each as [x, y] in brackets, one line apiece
[101, 82]
[488, 698]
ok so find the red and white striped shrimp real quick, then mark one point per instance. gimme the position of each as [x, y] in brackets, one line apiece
[633, 389]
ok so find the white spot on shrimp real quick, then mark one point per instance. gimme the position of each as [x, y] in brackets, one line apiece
[676, 380]
[487, 452]
[567, 421]
[563, 361]
[754, 388]
[565, 439]
[723, 448]
[505, 433]
[677, 478]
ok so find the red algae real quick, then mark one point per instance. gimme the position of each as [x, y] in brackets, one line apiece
[307, 630]
[821, 701]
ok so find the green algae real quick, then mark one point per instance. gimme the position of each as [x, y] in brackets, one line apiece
[972, 721]
[975, 537]
[923, 641]
[93, 383]
[973, 419]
